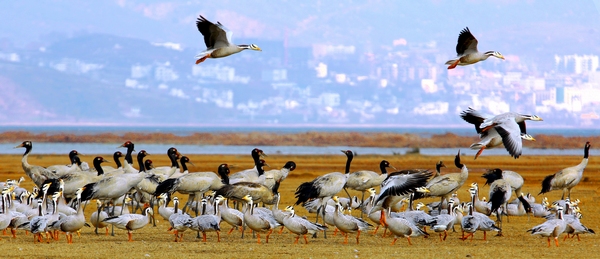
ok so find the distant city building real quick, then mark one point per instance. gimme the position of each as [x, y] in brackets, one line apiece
[577, 64]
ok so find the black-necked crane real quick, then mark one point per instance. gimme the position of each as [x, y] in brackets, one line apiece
[500, 192]
[514, 179]
[567, 178]
[269, 178]
[325, 186]
[258, 192]
[194, 184]
[364, 179]
[445, 185]
[249, 175]
[38, 174]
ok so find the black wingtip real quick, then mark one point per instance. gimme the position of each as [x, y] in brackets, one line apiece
[547, 184]
[497, 199]
[88, 192]
[492, 175]
[165, 186]
[305, 192]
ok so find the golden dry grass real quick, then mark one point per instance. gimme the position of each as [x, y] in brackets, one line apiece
[156, 242]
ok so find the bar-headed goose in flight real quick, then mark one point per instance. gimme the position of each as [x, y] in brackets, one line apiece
[467, 53]
[218, 41]
[506, 128]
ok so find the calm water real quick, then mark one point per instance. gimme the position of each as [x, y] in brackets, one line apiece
[187, 130]
[92, 149]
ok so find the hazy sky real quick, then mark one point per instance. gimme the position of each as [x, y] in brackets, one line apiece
[362, 23]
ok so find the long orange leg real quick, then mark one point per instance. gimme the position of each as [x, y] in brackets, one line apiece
[269, 234]
[305, 240]
[548, 241]
[218, 236]
[14, 232]
[454, 64]
[203, 237]
[408, 238]
[484, 235]
[556, 241]
[130, 235]
[202, 59]
[479, 152]
[393, 242]
[258, 238]
[357, 235]
[297, 237]
[375, 232]
[232, 229]
[346, 240]
[281, 230]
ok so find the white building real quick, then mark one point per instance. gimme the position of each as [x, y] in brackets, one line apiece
[577, 64]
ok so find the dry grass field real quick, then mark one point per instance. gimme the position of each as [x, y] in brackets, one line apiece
[157, 242]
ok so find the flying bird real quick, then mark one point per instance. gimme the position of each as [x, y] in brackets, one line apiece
[218, 41]
[466, 51]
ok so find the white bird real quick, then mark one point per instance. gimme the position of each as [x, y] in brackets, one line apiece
[467, 53]
[278, 214]
[163, 210]
[207, 222]
[479, 222]
[480, 206]
[401, 227]
[218, 42]
[71, 223]
[348, 223]
[574, 225]
[443, 222]
[507, 128]
[551, 228]
[232, 216]
[259, 223]
[97, 218]
[130, 222]
[178, 220]
[299, 225]
[567, 178]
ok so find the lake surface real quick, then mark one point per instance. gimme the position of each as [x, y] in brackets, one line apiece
[183, 130]
[93, 149]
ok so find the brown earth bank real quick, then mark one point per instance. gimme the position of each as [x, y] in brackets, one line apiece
[355, 139]
[157, 242]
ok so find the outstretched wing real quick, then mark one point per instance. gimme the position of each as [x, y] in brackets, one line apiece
[466, 42]
[215, 35]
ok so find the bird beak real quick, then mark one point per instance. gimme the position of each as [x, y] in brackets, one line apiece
[20, 145]
[259, 49]
[391, 166]
[105, 161]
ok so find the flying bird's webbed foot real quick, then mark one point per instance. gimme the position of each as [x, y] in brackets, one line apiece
[202, 59]
[454, 64]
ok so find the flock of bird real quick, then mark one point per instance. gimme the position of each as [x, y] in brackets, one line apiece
[57, 202]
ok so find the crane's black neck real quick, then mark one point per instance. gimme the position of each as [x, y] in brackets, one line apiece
[128, 156]
[97, 165]
[116, 157]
